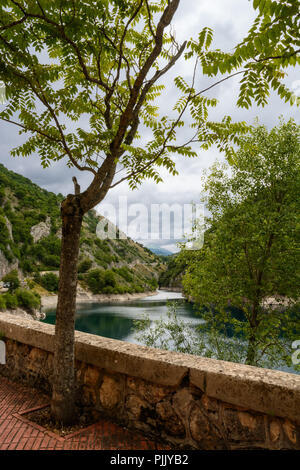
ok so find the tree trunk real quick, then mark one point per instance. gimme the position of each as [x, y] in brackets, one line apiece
[251, 351]
[63, 397]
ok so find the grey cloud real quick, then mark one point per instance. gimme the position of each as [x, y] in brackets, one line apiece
[230, 20]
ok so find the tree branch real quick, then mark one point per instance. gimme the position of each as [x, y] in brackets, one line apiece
[127, 116]
[149, 84]
[14, 23]
[61, 31]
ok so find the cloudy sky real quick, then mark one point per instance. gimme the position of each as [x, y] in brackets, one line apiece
[230, 20]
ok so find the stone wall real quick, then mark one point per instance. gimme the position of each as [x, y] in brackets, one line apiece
[187, 401]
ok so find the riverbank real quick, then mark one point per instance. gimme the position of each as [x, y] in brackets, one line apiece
[50, 301]
[19, 312]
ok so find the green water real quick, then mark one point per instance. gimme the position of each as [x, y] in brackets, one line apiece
[115, 320]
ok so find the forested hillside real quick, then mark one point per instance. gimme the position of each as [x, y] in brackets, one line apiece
[30, 241]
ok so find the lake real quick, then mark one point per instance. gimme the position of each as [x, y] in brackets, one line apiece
[115, 319]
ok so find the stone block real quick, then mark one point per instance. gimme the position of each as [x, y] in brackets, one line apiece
[242, 426]
[204, 432]
[91, 376]
[290, 431]
[134, 406]
[169, 419]
[151, 392]
[110, 393]
[183, 401]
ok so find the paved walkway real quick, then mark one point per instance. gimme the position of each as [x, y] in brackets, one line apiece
[17, 433]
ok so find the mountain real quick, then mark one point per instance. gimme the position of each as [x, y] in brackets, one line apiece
[30, 240]
[172, 276]
[160, 251]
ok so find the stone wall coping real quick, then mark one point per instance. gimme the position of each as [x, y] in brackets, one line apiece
[267, 391]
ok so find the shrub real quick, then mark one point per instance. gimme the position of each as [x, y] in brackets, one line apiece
[30, 283]
[28, 299]
[108, 290]
[27, 266]
[49, 281]
[2, 303]
[10, 300]
[51, 261]
[138, 288]
[37, 277]
[4, 233]
[11, 280]
[120, 289]
[110, 279]
[95, 280]
[152, 284]
[84, 265]
[125, 273]
[98, 280]
[47, 251]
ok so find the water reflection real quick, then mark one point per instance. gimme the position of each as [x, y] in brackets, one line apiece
[115, 320]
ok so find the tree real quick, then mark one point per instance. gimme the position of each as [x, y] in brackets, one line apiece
[11, 280]
[64, 60]
[49, 281]
[84, 265]
[96, 280]
[250, 258]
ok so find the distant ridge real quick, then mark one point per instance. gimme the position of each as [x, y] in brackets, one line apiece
[160, 251]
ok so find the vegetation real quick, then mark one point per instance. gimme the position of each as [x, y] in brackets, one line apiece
[117, 281]
[17, 296]
[44, 254]
[172, 276]
[23, 205]
[11, 280]
[27, 299]
[105, 62]
[2, 303]
[49, 281]
[85, 265]
[250, 255]
[169, 332]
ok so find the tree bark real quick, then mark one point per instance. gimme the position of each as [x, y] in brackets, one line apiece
[251, 351]
[63, 393]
